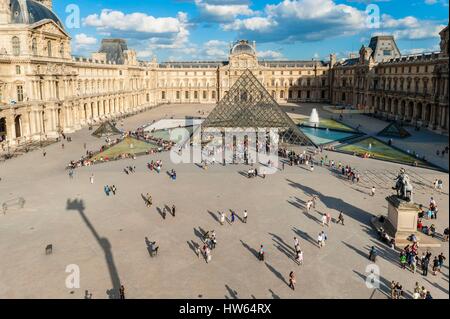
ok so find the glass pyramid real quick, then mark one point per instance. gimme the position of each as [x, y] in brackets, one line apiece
[249, 105]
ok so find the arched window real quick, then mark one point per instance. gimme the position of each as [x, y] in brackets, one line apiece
[34, 46]
[49, 48]
[16, 46]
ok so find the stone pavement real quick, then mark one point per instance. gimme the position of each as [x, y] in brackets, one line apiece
[106, 236]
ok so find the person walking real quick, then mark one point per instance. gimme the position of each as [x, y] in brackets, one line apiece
[341, 218]
[233, 217]
[114, 189]
[173, 210]
[149, 200]
[91, 179]
[296, 244]
[222, 218]
[292, 280]
[299, 257]
[372, 191]
[245, 216]
[373, 254]
[309, 204]
[435, 265]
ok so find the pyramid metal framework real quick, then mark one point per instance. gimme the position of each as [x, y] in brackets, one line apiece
[394, 130]
[249, 105]
[106, 129]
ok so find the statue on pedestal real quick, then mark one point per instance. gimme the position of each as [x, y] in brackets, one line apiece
[403, 186]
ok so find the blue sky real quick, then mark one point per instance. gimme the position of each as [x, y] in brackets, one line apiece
[282, 29]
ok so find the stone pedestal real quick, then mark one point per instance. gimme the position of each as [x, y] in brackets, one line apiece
[401, 223]
[402, 216]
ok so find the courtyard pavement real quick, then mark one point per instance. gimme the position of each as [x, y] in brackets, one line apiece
[106, 236]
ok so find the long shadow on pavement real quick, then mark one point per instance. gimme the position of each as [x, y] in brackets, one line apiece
[336, 204]
[104, 243]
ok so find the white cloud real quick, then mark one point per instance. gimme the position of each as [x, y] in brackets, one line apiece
[134, 22]
[316, 20]
[252, 24]
[83, 41]
[223, 11]
[149, 33]
[270, 55]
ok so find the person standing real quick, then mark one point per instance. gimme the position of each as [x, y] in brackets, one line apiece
[324, 219]
[425, 264]
[372, 191]
[441, 258]
[173, 210]
[328, 215]
[320, 240]
[245, 216]
[92, 179]
[122, 292]
[233, 216]
[261, 253]
[292, 280]
[222, 218]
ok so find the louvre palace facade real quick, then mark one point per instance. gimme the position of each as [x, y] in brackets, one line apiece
[45, 91]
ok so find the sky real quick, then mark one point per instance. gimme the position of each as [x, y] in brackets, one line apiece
[186, 30]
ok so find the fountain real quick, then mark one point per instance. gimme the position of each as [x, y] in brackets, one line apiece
[314, 118]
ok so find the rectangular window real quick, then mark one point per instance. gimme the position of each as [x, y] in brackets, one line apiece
[178, 95]
[18, 69]
[205, 95]
[163, 95]
[195, 95]
[213, 94]
[20, 93]
[186, 94]
[308, 94]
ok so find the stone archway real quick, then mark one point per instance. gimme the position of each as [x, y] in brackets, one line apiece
[395, 107]
[410, 111]
[402, 109]
[18, 125]
[419, 111]
[427, 117]
[3, 129]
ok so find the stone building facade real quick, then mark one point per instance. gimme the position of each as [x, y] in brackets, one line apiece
[45, 91]
[412, 89]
